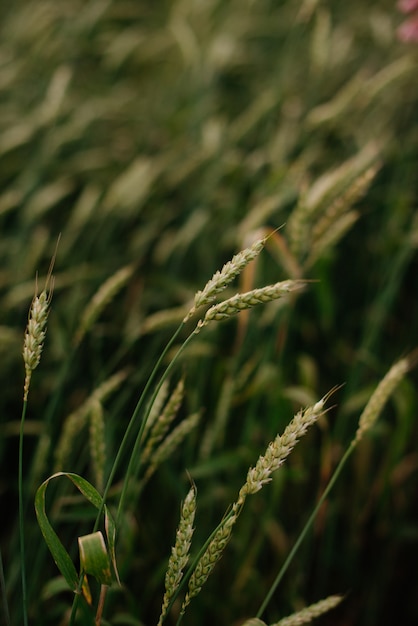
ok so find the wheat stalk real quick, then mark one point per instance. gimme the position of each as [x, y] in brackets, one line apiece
[97, 442]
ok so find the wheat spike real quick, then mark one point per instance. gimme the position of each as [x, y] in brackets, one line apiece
[343, 202]
[36, 330]
[156, 408]
[180, 552]
[221, 279]
[241, 301]
[170, 443]
[162, 423]
[209, 559]
[279, 449]
[382, 393]
[305, 616]
[100, 299]
[76, 421]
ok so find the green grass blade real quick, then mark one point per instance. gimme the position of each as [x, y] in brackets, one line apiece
[59, 553]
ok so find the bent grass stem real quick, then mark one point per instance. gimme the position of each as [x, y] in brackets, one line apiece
[305, 529]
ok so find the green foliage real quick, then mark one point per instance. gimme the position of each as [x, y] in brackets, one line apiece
[159, 141]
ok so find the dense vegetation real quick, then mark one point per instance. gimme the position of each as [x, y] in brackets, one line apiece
[155, 141]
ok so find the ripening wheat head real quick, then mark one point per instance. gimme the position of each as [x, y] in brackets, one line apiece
[279, 449]
[180, 552]
[382, 393]
[209, 559]
[221, 279]
[242, 301]
[305, 616]
[35, 334]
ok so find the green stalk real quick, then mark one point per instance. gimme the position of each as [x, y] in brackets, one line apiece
[3, 594]
[135, 449]
[22, 517]
[132, 422]
[305, 529]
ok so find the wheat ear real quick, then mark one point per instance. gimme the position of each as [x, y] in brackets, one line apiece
[279, 449]
[241, 301]
[156, 408]
[209, 558]
[276, 453]
[221, 279]
[382, 393]
[305, 616]
[101, 298]
[180, 552]
[35, 333]
[163, 422]
[170, 443]
[74, 423]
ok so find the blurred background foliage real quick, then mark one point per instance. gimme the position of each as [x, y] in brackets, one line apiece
[165, 137]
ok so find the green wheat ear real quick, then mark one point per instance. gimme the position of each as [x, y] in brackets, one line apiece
[305, 616]
[221, 279]
[180, 552]
[242, 301]
[382, 393]
[279, 449]
[35, 333]
[106, 292]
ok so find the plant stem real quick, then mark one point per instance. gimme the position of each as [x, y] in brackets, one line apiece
[131, 424]
[22, 516]
[99, 613]
[3, 594]
[305, 529]
[135, 450]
